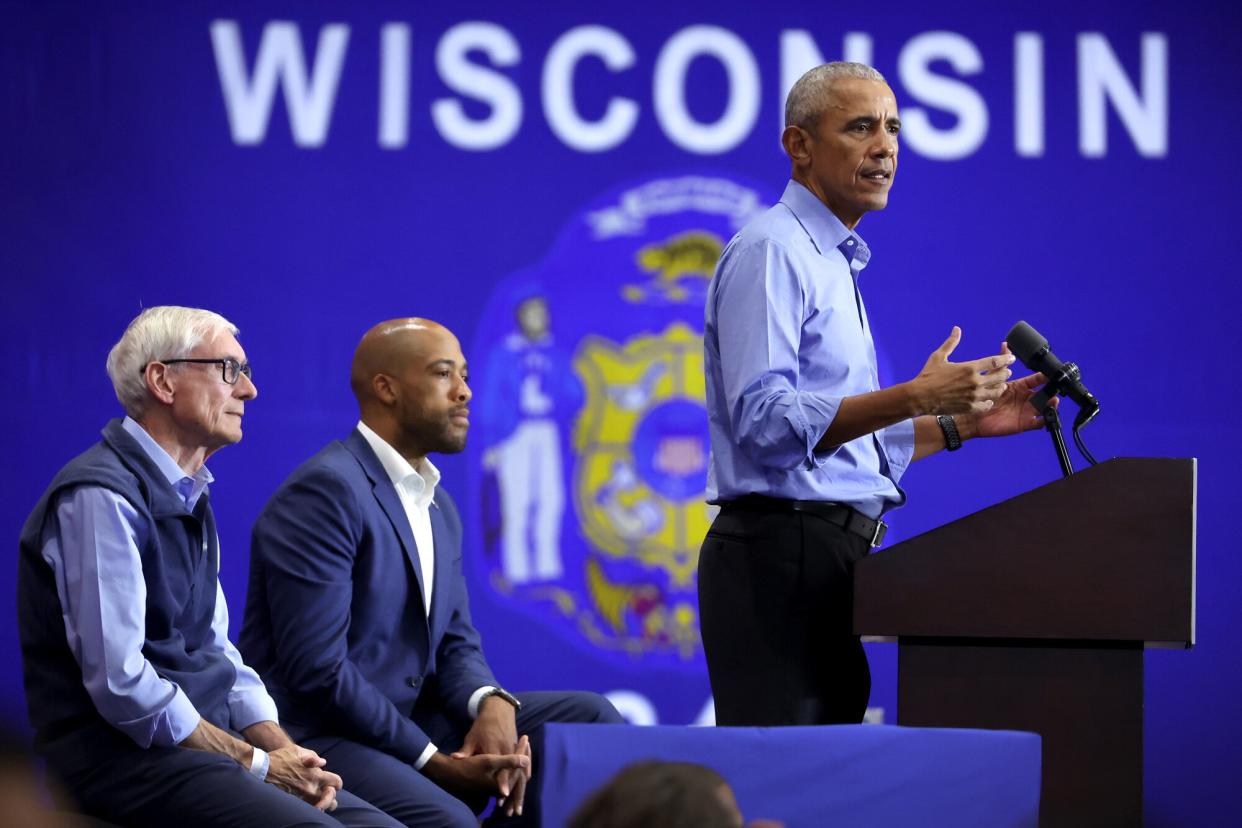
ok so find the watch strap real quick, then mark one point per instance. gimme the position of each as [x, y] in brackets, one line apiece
[952, 440]
[504, 694]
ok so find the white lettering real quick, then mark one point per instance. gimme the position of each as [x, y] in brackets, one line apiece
[489, 86]
[914, 67]
[249, 101]
[1028, 94]
[857, 48]
[670, 88]
[635, 707]
[800, 54]
[558, 89]
[394, 114]
[1101, 79]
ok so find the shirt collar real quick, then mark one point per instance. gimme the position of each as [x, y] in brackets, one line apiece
[189, 487]
[827, 232]
[421, 482]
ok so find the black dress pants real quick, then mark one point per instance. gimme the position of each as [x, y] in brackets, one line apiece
[775, 608]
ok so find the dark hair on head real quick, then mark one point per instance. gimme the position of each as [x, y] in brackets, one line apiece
[656, 794]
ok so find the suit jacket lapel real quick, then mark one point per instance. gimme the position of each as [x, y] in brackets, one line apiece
[386, 496]
[443, 563]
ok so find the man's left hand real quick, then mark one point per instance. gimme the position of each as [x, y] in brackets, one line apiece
[1012, 412]
[495, 731]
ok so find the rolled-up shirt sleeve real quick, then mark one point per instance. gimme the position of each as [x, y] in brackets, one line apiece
[93, 551]
[898, 442]
[760, 308]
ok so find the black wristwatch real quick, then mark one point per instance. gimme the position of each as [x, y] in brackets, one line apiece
[504, 694]
[952, 440]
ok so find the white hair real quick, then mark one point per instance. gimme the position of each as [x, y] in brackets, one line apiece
[159, 333]
[806, 100]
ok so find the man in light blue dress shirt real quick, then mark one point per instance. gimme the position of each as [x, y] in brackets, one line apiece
[807, 448]
[140, 702]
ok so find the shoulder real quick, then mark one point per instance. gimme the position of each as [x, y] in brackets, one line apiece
[99, 468]
[333, 474]
[777, 227]
[771, 256]
[332, 462]
[95, 482]
[775, 241]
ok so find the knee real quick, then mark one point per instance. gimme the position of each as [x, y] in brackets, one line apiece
[592, 707]
[459, 815]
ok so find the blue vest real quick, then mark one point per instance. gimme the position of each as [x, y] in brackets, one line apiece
[179, 564]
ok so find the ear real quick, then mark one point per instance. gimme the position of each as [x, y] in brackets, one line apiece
[797, 144]
[160, 384]
[385, 389]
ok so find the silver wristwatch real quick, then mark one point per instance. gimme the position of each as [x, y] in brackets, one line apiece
[504, 694]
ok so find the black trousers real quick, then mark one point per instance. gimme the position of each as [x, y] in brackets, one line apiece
[776, 606]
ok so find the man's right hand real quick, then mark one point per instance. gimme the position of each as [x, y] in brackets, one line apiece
[944, 387]
[475, 779]
[299, 771]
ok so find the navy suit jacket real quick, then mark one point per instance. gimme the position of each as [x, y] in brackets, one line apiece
[335, 621]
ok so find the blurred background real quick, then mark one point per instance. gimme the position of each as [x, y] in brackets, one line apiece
[554, 182]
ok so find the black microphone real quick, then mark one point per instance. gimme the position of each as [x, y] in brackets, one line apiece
[1032, 350]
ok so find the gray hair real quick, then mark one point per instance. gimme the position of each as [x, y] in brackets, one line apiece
[806, 100]
[163, 332]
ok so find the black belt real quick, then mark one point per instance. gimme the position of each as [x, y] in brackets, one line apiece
[847, 517]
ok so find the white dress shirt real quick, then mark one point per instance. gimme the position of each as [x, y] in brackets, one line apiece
[416, 489]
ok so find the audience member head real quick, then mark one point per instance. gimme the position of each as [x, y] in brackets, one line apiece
[661, 795]
[21, 790]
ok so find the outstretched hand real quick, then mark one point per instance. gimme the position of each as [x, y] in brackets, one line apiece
[974, 387]
[1012, 411]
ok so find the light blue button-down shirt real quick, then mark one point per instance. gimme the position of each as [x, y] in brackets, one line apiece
[786, 340]
[93, 550]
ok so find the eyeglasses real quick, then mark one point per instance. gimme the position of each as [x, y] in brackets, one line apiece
[230, 369]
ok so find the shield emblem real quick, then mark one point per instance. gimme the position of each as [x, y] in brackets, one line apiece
[600, 385]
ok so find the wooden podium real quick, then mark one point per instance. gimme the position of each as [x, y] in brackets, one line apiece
[1033, 614]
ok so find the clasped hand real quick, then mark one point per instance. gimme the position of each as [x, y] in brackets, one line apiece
[492, 761]
[299, 771]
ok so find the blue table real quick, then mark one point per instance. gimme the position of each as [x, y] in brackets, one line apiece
[871, 776]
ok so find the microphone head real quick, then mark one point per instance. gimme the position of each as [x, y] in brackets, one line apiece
[1026, 343]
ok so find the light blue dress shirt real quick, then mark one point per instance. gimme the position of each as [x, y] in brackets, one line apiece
[93, 550]
[786, 340]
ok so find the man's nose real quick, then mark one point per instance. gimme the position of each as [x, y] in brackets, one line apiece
[463, 392]
[244, 388]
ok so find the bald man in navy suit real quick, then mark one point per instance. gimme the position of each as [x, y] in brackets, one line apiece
[357, 613]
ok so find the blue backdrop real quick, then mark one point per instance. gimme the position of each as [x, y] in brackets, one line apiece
[308, 169]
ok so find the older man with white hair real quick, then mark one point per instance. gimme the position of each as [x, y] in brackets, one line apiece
[139, 701]
[807, 448]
